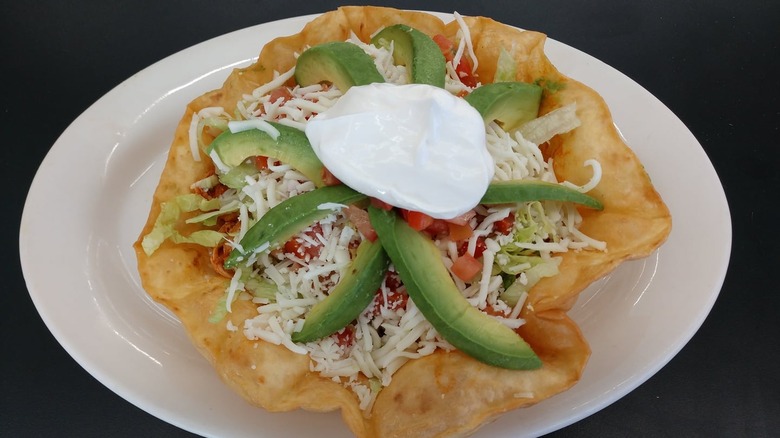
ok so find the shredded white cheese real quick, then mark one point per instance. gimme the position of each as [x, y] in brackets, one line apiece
[243, 125]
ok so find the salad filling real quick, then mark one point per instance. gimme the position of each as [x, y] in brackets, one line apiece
[495, 253]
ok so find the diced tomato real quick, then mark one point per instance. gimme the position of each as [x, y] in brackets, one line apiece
[466, 267]
[261, 162]
[459, 232]
[437, 229]
[346, 336]
[395, 300]
[459, 228]
[417, 220]
[280, 93]
[378, 203]
[396, 295]
[445, 45]
[478, 249]
[302, 248]
[393, 281]
[505, 225]
[328, 178]
[360, 220]
[463, 69]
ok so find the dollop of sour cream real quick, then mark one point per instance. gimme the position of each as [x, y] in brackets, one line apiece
[415, 146]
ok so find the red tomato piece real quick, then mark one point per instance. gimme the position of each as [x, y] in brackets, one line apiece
[466, 267]
[417, 220]
[395, 300]
[505, 225]
[437, 229]
[445, 45]
[459, 232]
[393, 281]
[478, 249]
[302, 248]
[463, 69]
[396, 296]
[261, 162]
[346, 336]
[282, 93]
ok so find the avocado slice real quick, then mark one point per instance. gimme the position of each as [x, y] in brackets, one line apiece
[505, 192]
[291, 147]
[355, 291]
[340, 63]
[415, 50]
[290, 217]
[509, 103]
[432, 289]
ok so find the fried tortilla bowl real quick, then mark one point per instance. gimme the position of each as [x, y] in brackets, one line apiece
[446, 393]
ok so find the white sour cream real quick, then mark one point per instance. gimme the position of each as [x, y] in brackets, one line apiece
[416, 147]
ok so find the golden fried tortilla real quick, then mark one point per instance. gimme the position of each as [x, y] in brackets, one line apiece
[445, 393]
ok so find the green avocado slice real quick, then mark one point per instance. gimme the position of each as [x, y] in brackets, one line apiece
[509, 103]
[341, 63]
[291, 147]
[351, 295]
[506, 192]
[432, 289]
[290, 217]
[415, 50]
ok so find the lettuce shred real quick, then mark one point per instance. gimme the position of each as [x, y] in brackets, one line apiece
[250, 283]
[506, 67]
[522, 268]
[235, 178]
[170, 212]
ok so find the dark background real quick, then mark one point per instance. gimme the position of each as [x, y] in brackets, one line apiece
[714, 63]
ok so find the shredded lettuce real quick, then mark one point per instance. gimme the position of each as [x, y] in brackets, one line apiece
[206, 218]
[522, 268]
[170, 212]
[375, 385]
[235, 178]
[547, 268]
[526, 271]
[533, 222]
[506, 67]
[550, 86]
[210, 124]
[206, 183]
[259, 288]
[219, 311]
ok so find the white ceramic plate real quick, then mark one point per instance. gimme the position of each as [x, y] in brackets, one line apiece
[77, 230]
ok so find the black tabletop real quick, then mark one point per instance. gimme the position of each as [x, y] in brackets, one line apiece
[714, 64]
